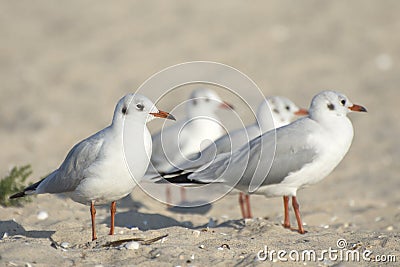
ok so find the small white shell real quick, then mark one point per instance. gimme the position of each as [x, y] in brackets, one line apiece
[132, 245]
[64, 245]
[42, 215]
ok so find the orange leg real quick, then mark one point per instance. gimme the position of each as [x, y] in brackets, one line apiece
[248, 207]
[241, 203]
[286, 222]
[93, 215]
[113, 209]
[297, 213]
[168, 198]
[183, 194]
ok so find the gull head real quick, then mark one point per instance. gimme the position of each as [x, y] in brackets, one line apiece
[277, 111]
[204, 101]
[332, 103]
[284, 110]
[138, 107]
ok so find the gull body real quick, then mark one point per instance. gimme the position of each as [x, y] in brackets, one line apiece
[100, 169]
[173, 144]
[290, 158]
[273, 112]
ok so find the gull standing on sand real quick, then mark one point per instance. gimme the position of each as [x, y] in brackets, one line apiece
[172, 145]
[95, 171]
[306, 151]
[273, 112]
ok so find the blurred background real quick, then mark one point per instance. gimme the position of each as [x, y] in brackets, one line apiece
[64, 65]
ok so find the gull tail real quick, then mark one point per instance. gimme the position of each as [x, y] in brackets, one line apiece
[30, 190]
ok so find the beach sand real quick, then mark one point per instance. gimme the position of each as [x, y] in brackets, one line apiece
[64, 65]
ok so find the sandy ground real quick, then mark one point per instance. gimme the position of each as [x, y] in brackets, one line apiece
[64, 65]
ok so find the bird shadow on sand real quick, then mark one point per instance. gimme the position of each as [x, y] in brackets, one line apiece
[128, 202]
[13, 228]
[187, 207]
[145, 221]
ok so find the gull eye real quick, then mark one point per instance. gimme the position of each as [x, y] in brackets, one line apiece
[140, 107]
[287, 108]
[343, 102]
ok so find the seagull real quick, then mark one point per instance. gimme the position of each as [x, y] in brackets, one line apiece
[101, 168]
[273, 112]
[173, 144]
[289, 158]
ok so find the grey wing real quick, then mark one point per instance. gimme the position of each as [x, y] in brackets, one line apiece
[265, 160]
[228, 167]
[290, 156]
[74, 168]
[225, 144]
[202, 159]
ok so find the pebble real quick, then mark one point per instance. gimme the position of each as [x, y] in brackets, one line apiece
[389, 228]
[5, 235]
[132, 245]
[64, 245]
[196, 233]
[28, 264]
[42, 215]
[248, 221]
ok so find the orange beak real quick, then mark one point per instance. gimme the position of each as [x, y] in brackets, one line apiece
[226, 105]
[163, 114]
[301, 112]
[358, 108]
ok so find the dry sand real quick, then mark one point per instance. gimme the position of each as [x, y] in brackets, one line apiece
[64, 65]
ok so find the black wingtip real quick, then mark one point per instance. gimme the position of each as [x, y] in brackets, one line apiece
[29, 188]
[17, 195]
[183, 179]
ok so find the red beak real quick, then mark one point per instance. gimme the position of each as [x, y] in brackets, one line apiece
[301, 112]
[163, 114]
[358, 108]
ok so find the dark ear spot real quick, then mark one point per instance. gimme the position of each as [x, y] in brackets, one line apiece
[331, 106]
[194, 102]
[276, 111]
[124, 110]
